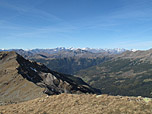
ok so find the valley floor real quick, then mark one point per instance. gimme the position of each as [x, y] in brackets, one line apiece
[81, 104]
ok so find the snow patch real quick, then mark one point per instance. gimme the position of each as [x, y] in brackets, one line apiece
[33, 69]
[134, 50]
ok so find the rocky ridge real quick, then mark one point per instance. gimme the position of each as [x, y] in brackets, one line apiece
[21, 80]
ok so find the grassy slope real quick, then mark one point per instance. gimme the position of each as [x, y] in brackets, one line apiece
[13, 87]
[81, 104]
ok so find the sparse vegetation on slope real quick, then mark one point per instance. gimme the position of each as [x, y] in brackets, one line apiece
[13, 86]
[121, 76]
[81, 104]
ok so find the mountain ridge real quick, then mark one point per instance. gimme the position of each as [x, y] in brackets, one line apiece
[17, 73]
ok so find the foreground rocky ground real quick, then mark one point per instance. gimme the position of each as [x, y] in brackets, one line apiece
[81, 104]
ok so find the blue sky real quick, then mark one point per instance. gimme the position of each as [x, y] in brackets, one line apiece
[29, 24]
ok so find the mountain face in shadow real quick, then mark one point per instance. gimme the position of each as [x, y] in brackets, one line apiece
[21, 80]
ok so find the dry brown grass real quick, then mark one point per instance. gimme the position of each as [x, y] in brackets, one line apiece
[13, 87]
[81, 104]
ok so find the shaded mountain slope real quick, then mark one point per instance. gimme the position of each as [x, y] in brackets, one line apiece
[70, 61]
[21, 79]
[81, 104]
[70, 65]
[127, 74]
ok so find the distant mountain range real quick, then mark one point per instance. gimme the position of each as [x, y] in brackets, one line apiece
[60, 49]
[68, 60]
